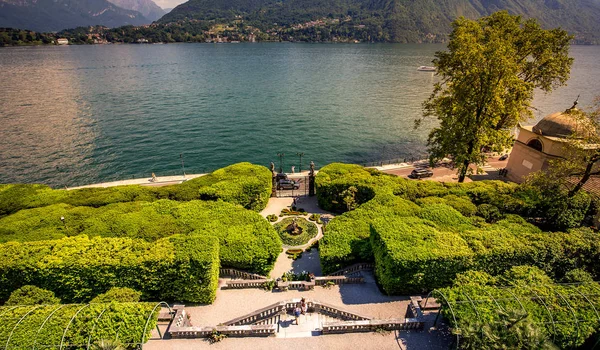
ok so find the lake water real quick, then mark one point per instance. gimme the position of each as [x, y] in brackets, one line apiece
[85, 114]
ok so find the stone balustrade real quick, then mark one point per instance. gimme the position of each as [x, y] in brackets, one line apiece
[335, 311]
[259, 315]
[297, 285]
[263, 330]
[414, 307]
[180, 319]
[352, 269]
[372, 326]
[240, 274]
[240, 284]
[322, 281]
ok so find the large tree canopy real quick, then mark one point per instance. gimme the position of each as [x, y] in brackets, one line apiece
[488, 75]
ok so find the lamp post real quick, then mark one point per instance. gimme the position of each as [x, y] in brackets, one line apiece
[182, 166]
[281, 155]
[300, 154]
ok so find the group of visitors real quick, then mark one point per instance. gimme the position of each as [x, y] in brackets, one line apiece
[301, 309]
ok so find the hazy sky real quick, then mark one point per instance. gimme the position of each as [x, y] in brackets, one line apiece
[169, 4]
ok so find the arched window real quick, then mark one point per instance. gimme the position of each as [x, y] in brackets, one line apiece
[535, 144]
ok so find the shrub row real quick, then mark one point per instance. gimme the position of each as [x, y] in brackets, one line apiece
[243, 183]
[247, 240]
[415, 255]
[182, 268]
[43, 326]
[530, 311]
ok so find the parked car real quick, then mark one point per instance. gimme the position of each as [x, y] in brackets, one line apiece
[286, 184]
[504, 157]
[420, 173]
[281, 176]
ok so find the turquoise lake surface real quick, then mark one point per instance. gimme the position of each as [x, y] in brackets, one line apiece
[85, 114]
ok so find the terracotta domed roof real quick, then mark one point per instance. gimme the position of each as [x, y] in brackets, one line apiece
[561, 124]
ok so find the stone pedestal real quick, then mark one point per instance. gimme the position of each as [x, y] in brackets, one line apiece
[311, 185]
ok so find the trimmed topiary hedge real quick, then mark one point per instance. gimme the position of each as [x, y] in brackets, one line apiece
[415, 255]
[47, 326]
[245, 184]
[76, 269]
[118, 294]
[335, 178]
[309, 231]
[346, 238]
[31, 295]
[247, 240]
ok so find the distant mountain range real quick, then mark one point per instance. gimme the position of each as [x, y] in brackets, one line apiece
[290, 20]
[396, 20]
[148, 8]
[56, 15]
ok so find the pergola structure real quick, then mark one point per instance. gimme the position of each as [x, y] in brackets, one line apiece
[48, 326]
[569, 305]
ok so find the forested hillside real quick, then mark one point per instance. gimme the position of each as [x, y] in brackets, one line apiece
[389, 20]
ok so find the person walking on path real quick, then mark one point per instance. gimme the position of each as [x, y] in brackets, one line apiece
[303, 306]
[297, 312]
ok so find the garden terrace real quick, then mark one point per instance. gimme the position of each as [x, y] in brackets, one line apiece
[244, 184]
[78, 268]
[76, 325]
[246, 238]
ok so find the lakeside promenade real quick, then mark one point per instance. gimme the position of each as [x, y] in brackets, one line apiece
[442, 174]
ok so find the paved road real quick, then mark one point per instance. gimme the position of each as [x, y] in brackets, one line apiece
[446, 173]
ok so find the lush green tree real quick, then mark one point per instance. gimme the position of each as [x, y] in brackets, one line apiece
[488, 76]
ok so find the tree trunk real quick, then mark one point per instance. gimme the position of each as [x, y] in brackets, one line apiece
[463, 172]
[583, 180]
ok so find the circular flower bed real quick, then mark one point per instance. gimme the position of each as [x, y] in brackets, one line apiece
[309, 230]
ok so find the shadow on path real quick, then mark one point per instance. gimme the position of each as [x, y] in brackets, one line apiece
[366, 293]
[309, 262]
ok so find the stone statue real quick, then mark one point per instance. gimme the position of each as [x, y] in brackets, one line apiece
[312, 168]
[272, 167]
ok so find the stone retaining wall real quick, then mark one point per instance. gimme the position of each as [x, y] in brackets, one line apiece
[240, 274]
[372, 326]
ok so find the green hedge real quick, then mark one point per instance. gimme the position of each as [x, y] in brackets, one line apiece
[333, 179]
[415, 255]
[44, 328]
[309, 231]
[346, 238]
[247, 240]
[32, 295]
[118, 294]
[530, 311]
[244, 184]
[76, 269]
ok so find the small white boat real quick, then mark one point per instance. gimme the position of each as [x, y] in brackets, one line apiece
[426, 69]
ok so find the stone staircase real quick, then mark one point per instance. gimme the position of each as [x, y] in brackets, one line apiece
[278, 320]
